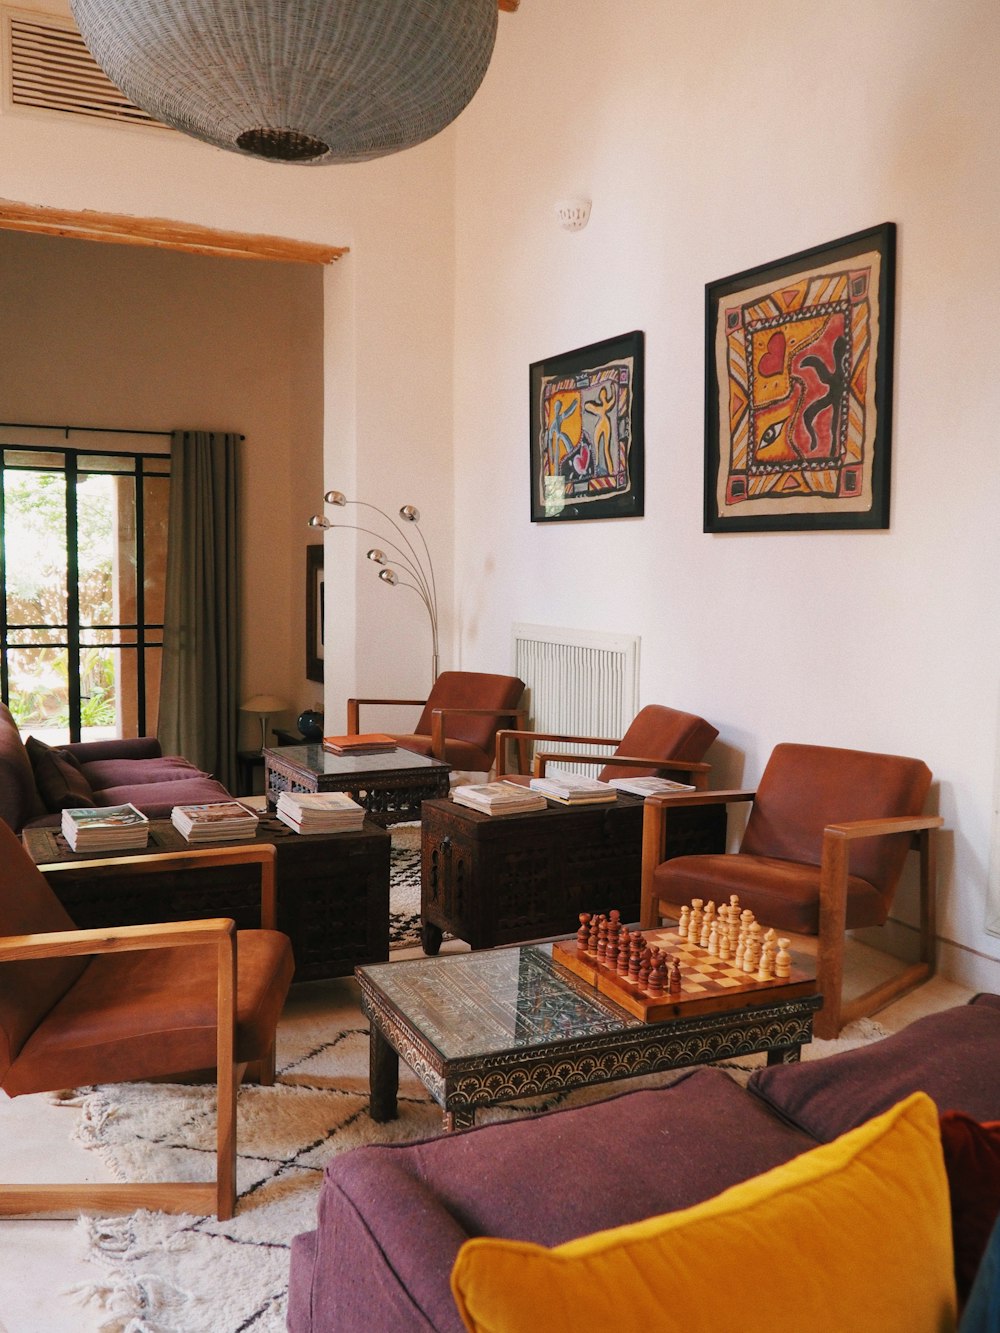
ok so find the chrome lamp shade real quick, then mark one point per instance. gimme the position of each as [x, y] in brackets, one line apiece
[306, 81]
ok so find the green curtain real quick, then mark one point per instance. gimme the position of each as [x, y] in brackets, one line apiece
[199, 691]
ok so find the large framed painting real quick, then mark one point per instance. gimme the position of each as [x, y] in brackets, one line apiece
[315, 607]
[798, 389]
[587, 432]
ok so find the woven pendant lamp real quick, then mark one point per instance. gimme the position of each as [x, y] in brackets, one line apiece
[307, 81]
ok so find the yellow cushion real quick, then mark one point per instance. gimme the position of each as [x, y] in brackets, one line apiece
[855, 1235]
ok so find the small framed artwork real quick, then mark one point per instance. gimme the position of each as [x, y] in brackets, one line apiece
[587, 432]
[798, 389]
[315, 605]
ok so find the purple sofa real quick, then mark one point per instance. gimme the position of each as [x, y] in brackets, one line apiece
[391, 1219]
[37, 782]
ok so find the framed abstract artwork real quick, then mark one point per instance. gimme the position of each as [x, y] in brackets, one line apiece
[587, 432]
[798, 389]
[315, 606]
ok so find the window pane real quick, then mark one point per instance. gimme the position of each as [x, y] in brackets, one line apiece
[35, 555]
[156, 500]
[37, 636]
[154, 658]
[99, 674]
[38, 687]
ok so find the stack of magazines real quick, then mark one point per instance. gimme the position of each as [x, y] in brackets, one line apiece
[105, 828]
[320, 811]
[214, 821]
[498, 798]
[568, 789]
[650, 786]
[371, 742]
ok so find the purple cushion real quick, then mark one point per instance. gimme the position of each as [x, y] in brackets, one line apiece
[546, 1179]
[156, 801]
[106, 773]
[60, 783]
[953, 1056]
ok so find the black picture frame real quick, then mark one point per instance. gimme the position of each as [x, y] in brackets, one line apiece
[798, 389]
[587, 442]
[315, 605]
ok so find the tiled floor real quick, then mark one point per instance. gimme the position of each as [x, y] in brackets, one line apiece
[44, 1273]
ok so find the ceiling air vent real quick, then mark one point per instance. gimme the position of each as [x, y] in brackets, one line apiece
[49, 69]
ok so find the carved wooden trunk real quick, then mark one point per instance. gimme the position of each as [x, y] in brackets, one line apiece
[502, 879]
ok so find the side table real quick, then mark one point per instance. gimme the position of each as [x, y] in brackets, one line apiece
[391, 785]
[332, 889]
[504, 879]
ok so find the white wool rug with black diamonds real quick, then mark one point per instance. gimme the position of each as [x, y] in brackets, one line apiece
[156, 1273]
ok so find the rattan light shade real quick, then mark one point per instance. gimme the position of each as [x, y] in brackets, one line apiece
[308, 81]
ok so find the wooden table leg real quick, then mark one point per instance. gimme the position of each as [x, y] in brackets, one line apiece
[786, 1055]
[464, 1118]
[383, 1075]
[430, 937]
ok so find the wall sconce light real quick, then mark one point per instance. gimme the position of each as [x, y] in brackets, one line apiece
[573, 214]
[418, 565]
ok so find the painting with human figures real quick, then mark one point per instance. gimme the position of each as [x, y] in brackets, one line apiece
[798, 396]
[586, 432]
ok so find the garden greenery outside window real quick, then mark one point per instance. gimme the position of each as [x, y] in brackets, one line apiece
[83, 541]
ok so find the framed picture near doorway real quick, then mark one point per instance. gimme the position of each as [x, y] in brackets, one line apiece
[315, 605]
[587, 432]
[798, 389]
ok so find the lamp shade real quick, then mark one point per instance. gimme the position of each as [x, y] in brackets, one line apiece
[264, 703]
[308, 81]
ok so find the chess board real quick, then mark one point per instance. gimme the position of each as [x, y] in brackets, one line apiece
[708, 984]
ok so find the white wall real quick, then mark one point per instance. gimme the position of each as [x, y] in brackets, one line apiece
[712, 139]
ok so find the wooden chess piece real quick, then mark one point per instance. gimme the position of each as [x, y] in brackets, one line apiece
[583, 934]
[783, 959]
[682, 925]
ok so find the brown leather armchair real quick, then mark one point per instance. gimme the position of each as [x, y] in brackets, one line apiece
[660, 742]
[79, 1007]
[822, 854]
[460, 717]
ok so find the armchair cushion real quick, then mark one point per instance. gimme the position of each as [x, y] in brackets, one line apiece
[469, 689]
[58, 777]
[133, 1015]
[785, 894]
[972, 1160]
[461, 754]
[663, 733]
[805, 787]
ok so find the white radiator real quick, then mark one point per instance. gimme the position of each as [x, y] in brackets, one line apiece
[580, 683]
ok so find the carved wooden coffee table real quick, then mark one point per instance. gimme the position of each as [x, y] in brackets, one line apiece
[391, 786]
[496, 1025]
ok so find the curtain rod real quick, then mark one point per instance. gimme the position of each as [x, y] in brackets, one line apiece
[95, 430]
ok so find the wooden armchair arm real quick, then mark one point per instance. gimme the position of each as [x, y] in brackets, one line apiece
[438, 716]
[116, 939]
[354, 708]
[523, 737]
[262, 853]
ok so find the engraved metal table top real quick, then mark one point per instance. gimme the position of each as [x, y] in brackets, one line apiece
[314, 759]
[493, 1000]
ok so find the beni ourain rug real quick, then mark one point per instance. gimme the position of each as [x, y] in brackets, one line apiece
[158, 1273]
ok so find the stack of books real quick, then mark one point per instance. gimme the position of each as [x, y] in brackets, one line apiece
[214, 821]
[105, 828]
[650, 786]
[498, 798]
[320, 811]
[568, 789]
[372, 742]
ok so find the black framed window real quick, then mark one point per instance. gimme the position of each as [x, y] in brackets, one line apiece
[83, 544]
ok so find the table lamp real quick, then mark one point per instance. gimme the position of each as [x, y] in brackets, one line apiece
[264, 705]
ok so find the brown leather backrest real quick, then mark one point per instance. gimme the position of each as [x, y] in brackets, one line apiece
[806, 787]
[662, 733]
[28, 906]
[471, 689]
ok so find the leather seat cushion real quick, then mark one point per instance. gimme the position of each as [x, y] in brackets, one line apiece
[782, 894]
[459, 754]
[151, 1012]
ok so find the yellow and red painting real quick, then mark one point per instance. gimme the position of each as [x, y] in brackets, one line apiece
[801, 430]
